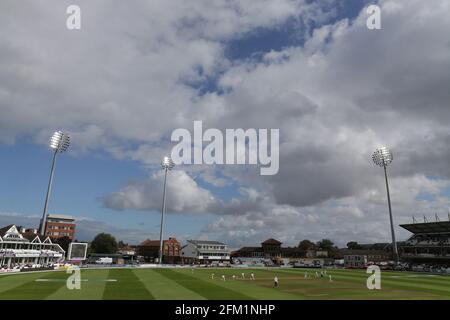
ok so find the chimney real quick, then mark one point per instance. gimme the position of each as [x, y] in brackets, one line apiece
[22, 230]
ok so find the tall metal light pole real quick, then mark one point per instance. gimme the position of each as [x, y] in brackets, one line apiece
[167, 164]
[383, 157]
[59, 143]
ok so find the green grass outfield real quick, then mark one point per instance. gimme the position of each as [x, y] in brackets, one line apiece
[183, 283]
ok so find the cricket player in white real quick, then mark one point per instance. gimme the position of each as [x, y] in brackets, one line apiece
[223, 277]
[243, 275]
[275, 281]
[252, 276]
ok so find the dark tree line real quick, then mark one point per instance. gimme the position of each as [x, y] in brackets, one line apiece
[322, 245]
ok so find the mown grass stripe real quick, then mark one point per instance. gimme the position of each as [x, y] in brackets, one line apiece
[128, 286]
[208, 290]
[389, 283]
[260, 288]
[34, 289]
[92, 287]
[353, 284]
[386, 281]
[183, 283]
[10, 281]
[164, 288]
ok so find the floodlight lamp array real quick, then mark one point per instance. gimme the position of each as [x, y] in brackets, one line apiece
[167, 163]
[59, 141]
[382, 157]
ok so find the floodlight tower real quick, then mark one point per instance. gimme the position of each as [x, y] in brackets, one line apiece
[383, 157]
[59, 143]
[167, 164]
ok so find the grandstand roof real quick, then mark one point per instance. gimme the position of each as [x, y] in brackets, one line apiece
[5, 229]
[429, 227]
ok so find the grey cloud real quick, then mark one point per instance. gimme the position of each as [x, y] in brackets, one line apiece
[355, 86]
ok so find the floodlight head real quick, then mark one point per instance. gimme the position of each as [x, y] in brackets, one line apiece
[167, 163]
[382, 157]
[59, 141]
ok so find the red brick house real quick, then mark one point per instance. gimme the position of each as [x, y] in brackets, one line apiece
[149, 249]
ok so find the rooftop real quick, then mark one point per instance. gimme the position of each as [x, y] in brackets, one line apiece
[155, 243]
[31, 236]
[197, 242]
[363, 252]
[150, 243]
[271, 241]
[376, 246]
[5, 229]
[249, 249]
[18, 236]
[60, 216]
[429, 227]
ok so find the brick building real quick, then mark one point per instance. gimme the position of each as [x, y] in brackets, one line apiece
[270, 249]
[360, 258]
[149, 249]
[58, 225]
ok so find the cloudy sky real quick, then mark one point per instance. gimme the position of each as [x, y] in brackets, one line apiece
[135, 72]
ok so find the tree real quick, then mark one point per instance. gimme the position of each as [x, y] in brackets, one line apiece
[122, 244]
[353, 245]
[306, 245]
[63, 243]
[327, 245]
[104, 243]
